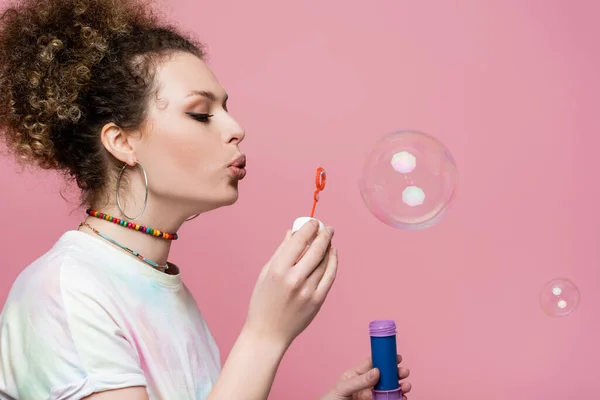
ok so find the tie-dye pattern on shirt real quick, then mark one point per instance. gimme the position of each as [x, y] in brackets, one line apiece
[86, 317]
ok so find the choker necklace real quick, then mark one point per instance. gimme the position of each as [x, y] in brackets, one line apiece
[132, 225]
[135, 253]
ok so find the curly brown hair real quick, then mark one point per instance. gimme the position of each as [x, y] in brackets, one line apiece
[67, 68]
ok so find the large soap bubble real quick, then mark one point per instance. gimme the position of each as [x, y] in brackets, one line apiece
[408, 180]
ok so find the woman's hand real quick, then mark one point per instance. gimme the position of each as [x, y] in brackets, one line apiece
[293, 285]
[290, 290]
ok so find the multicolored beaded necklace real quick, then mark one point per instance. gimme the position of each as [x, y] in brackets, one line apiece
[133, 252]
[132, 225]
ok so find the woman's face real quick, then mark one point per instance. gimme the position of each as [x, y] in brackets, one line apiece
[190, 146]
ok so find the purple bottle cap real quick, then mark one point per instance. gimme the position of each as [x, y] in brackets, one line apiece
[382, 328]
[387, 394]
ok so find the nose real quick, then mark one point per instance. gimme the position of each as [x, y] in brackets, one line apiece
[234, 133]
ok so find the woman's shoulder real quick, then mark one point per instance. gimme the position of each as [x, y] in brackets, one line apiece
[63, 267]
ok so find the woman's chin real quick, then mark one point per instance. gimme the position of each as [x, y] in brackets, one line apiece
[232, 199]
[226, 198]
[229, 198]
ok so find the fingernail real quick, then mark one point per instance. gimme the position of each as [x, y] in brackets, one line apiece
[330, 230]
[314, 223]
[372, 373]
[335, 251]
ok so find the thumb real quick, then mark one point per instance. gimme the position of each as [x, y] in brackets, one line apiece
[360, 382]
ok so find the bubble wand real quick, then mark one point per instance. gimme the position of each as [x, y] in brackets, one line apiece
[320, 179]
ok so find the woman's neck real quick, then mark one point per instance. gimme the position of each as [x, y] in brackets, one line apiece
[150, 247]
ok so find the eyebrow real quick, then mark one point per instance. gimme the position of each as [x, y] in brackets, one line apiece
[209, 95]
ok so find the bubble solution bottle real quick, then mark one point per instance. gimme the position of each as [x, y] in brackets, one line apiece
[384, 355]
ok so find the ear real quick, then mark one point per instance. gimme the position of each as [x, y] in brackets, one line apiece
[118, 143]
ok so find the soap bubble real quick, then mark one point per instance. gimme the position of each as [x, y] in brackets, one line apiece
[559, 297]
[408, 180]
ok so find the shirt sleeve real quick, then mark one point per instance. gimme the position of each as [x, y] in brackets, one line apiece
[64, 343]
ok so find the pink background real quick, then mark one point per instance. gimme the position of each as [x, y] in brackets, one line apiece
[511, 87]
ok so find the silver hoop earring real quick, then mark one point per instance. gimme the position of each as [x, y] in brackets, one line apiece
[145, 198]
[191, 218]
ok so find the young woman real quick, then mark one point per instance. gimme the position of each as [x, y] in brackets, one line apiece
[126, 106]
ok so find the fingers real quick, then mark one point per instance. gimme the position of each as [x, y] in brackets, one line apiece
[354, 382]
[312, 282]
[293, 247]
[367, 364]
[267, 266]
[364, 376]
[314, 255]
[406, 387]
[403, 373]
[364, 366]
[357, 383]
[281, 246]
[328, 277]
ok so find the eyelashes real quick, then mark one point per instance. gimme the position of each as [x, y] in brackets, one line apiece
[204, 118]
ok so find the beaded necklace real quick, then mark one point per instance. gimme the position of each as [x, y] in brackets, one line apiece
[133, 252]
[132, 225]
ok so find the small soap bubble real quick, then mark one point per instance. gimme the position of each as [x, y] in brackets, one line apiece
[408, 180]
[559, 297]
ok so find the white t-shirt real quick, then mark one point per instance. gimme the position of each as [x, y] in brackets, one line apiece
[87, 317]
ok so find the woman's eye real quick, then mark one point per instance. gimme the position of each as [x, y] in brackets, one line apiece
[200, 117]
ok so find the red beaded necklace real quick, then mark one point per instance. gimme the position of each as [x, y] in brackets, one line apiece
[132, 225]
